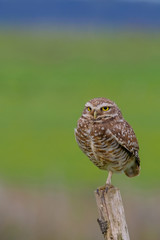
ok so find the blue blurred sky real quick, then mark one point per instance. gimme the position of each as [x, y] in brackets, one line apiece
[85, 12]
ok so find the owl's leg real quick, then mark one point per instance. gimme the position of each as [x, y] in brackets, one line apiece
[109, 178]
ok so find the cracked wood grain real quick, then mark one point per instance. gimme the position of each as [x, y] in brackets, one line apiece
[112, 219]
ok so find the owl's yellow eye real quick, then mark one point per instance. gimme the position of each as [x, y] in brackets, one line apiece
[105, 108]
[89, 109]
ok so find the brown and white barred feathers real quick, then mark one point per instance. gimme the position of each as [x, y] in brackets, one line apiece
[107, 139]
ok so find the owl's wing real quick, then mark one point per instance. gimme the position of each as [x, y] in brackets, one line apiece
[125, 136]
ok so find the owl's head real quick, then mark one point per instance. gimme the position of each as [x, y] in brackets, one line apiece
[98, 108]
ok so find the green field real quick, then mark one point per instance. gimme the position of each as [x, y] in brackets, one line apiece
[45, 80]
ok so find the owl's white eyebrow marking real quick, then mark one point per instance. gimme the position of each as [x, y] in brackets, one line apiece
[104, 105]
[88, 105]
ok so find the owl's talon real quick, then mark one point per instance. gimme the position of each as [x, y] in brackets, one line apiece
[102, 188]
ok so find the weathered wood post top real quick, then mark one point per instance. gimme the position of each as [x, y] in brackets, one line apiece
[111, 220]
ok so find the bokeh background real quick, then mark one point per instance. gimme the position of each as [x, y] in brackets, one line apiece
[54, 57]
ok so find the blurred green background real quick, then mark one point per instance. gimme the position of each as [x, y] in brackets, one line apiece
[45, 80]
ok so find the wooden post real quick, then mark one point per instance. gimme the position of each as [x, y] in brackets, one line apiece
[112, 220]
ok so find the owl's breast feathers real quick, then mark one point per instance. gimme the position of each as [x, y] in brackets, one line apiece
[110, 145]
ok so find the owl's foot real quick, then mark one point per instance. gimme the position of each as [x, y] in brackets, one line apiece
[104, 189]
[108, 182]
[101, 189]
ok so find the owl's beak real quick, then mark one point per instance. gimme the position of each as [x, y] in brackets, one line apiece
[95, 114]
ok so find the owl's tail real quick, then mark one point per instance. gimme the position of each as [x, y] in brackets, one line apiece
[134, 169]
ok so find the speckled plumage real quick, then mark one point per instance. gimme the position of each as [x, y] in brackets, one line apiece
[107, 139]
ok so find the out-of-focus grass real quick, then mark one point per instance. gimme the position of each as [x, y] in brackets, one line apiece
[45, 79]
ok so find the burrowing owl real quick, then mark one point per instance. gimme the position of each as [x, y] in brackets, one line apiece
[107, 139]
